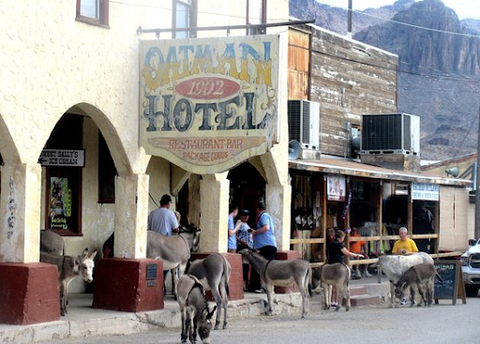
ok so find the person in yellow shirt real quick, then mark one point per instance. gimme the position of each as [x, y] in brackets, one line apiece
[404, 246]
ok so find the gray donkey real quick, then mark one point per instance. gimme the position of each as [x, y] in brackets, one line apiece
[333, 275]
[174, 250]
[70, 267]
[282, 273]
[51, 242]
[214, 274]
[421, 277]
[194, 309]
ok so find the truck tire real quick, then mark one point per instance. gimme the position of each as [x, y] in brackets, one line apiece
[471, 290]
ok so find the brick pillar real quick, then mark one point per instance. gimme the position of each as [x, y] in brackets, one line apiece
[235, 285]
[130, 285]
[28, 293]
[287, 255]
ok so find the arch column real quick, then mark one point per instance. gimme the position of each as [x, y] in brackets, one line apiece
[28, 289]
[20, 213]
[214, 196]
[278, 198]
[131, 214]
[129, 282]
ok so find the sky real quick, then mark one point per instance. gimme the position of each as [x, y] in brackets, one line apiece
[464, 8]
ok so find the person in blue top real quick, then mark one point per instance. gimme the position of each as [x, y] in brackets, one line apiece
[163, 220]
[263, 240]
[233, 228]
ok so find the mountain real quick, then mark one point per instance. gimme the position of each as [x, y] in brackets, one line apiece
[439, 72]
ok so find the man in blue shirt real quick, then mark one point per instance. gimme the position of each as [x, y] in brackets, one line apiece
[264, 239]
[232, 228]
[163, 220]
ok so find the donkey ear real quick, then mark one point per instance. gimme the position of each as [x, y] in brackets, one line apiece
[206, 314]
[93, 255]
[210, 315]
[85, 252]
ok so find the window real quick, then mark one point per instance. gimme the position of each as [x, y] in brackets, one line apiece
[256, 14]
[64, 184]
[93, 12]
[106, 172]
[184, 16]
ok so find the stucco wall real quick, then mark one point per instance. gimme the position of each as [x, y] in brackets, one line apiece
[51, 63]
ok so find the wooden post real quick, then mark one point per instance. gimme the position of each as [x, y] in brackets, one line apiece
[324, 217]
[410, 210]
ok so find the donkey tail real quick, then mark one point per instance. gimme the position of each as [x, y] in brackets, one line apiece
[226, 274]
[308, 280]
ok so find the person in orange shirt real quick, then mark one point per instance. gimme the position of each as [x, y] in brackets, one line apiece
[359, 247]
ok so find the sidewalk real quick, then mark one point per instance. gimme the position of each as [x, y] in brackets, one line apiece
[83, 321]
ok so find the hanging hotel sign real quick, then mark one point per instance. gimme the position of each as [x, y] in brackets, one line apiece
[336, 187]
[208, 104]
[426, 192]
[62, 157]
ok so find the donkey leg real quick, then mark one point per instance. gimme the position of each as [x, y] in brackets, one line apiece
[63, 300]
[303, 287]
[174, 274]
[269, 288]
[184, 336]
[224, 304]
[328, 295]
[218, 301]
[181, 270]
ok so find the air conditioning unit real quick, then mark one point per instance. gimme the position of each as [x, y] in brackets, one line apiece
[304, 123]
[397, 133]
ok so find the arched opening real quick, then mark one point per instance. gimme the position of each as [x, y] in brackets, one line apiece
[247, 189]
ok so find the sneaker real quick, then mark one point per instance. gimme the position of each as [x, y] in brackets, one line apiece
[404, 301]
[260, 291]
[356, 275]
[366, 274]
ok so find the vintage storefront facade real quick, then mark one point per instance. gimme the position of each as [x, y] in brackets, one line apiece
[336, 183]
[71, 125]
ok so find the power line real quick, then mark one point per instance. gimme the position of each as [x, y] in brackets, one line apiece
[418, 26]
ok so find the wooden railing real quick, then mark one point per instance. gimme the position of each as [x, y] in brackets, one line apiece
[373, 238]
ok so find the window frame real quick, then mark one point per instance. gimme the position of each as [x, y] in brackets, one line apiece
[193, 17]
[263, 19]
[102, 21]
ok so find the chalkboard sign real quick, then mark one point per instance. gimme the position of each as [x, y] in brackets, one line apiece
[451, 285]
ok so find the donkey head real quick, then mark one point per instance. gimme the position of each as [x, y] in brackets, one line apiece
[87, 264]
[400, 290]
[205, 324]
[192, 234]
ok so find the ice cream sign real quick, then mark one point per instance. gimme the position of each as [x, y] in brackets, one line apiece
[209, 104]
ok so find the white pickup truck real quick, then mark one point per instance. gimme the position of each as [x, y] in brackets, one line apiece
[471, 268]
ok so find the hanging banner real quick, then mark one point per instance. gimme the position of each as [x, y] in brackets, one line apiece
[426, 192]
[336, 188]
[209, 104]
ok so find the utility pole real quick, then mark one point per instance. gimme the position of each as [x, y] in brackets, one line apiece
[349, 23]
[477, 183]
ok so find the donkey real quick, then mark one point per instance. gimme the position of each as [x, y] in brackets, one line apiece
[394, 267]
[333, 275]
[174, 250]
[214, 274]
[194, 309]
[421, 276]
[51, 242]
[70, 267]
[282, 273]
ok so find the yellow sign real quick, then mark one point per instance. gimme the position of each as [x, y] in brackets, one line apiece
[209, 104]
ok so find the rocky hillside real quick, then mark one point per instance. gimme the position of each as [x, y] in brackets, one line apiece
[439, 77]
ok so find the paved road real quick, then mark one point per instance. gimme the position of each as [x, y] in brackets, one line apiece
[443, 323]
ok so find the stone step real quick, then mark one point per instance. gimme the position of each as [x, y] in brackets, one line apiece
[357, 290]
[364, 300]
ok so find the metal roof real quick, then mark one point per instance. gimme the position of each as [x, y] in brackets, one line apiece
[352, 168]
